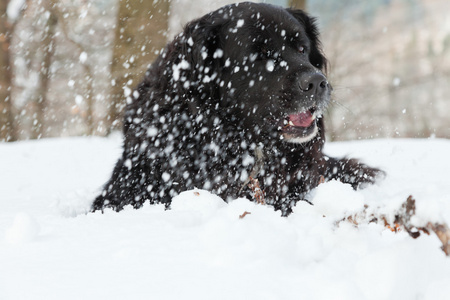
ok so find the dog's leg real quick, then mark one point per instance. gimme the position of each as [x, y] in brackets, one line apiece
[351, 171]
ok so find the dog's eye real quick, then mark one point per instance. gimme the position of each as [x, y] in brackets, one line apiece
[301, 49]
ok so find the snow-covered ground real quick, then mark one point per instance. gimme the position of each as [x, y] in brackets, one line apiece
[51, 249]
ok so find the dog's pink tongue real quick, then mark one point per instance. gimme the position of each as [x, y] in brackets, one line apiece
[303, 119]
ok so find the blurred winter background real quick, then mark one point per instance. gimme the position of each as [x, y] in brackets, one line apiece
[66, 66]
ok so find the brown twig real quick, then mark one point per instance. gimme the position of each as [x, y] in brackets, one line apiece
[258, 193]
[321, 179]
[402, 221]
[244, 214]
[443, 233]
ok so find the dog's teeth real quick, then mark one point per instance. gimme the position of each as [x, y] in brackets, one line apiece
[291, 123]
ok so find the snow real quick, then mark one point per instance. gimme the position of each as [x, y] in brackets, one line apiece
[83, 57]
[218, 53]
[14, 8]
[24, 229]
[50, 248]
[270, 65]
[183, 65]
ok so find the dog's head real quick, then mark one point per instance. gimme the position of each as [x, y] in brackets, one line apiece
[264, 65]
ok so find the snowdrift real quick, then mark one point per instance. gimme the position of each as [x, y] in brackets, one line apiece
[50, 248]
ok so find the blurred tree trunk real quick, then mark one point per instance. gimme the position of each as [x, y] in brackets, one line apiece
[89, 74]
[299, 4]
[7, 128]
[141, 32]
[48, 48]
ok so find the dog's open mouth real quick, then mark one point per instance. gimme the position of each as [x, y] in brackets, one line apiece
[300, 127]
[303, 119]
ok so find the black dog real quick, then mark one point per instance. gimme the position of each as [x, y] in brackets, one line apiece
[235, 99]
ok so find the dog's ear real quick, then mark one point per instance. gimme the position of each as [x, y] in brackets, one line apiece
[203, 39]
[316, 55]
[198, 53]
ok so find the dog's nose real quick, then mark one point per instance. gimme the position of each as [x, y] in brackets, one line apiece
[313, 83]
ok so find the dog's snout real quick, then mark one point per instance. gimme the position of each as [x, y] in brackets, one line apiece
[315, 83]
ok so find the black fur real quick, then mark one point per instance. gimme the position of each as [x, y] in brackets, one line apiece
[223, 89]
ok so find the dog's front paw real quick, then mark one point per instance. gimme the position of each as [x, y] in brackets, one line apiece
[357, 174]
[365, 175]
